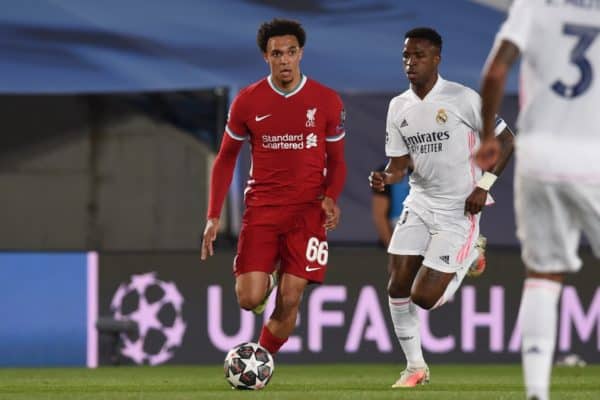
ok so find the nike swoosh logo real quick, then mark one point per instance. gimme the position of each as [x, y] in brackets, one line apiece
[259, 118]
[309, 269]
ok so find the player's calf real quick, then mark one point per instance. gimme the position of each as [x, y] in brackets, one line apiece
[259, 309]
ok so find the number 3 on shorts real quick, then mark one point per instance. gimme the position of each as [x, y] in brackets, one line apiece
[317, 251]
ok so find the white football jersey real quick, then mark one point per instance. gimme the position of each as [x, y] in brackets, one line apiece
[559, 123]
[441, 134]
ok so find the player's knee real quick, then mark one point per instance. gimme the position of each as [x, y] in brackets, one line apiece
[248, 300]
[422, 300]
[397, 290]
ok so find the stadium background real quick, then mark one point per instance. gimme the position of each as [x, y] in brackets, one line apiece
[111, 121]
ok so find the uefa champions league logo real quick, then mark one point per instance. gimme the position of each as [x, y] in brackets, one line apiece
[156, 307]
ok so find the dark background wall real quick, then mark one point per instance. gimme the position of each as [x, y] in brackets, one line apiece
[101, 172]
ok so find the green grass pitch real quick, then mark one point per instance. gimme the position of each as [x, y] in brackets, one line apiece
[306, 382]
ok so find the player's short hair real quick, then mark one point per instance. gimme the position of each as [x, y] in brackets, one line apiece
[279, 27]
[427, 34]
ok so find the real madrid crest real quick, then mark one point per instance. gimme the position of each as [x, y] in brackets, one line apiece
[441, 117]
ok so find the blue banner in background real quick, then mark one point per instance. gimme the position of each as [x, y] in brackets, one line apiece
[73, 46]
[43, 309]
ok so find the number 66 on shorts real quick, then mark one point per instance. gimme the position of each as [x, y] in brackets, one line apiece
[317, 251]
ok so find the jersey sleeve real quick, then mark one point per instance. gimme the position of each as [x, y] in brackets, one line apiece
[335, 129]
[517, 27]
[222, 174]
[334, 140]
[394, 142]
[236, 120]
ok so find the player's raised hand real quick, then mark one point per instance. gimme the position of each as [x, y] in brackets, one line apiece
[210, 234]
[377, 180]
[332, 213]
[488, 154]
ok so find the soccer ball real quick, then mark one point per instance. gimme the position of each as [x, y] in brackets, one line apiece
[248, 366]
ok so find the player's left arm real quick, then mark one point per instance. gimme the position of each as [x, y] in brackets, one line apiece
[336, 164]
[477, 199]
[336, 177]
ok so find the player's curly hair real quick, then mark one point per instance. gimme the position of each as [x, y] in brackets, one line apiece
[427, 34]
[279, 27]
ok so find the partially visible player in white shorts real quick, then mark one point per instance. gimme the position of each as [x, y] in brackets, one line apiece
[550, 219]
[557, 174]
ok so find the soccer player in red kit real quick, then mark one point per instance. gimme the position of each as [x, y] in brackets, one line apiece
[295, 127]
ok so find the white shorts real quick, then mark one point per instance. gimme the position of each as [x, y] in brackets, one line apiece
[550, 218]
[445, 242]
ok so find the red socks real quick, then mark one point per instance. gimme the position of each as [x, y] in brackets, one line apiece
[270, 341]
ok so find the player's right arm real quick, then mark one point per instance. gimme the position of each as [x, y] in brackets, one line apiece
[395, 149]
[394, 172]
[510, 41]
[492, 91]
[222, 173]
[220, 179]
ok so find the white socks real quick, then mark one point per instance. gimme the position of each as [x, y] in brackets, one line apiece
[538, 316]
[406, 325]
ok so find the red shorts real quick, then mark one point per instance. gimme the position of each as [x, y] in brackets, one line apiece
[292, 235]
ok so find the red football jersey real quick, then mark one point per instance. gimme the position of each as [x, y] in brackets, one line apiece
[287, 134]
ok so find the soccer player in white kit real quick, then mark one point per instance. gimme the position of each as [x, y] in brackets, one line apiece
[557, 178]
[436, 124]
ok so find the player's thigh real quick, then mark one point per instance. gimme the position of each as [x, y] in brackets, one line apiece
[258, 242]
[547, 226]
[411, 235]
[304, 249]
[250, 288]
[429, 286]
[452, 244]
[407, 246]
[588, 204]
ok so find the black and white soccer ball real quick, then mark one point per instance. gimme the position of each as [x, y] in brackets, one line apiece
[248, 366]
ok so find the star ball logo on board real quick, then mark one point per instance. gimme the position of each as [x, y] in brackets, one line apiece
[156, 307]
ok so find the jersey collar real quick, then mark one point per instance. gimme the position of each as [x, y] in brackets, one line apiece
[434, 90]
[299, 87]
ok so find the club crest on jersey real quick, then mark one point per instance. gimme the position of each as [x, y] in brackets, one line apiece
[310, 117]
[441, 117]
